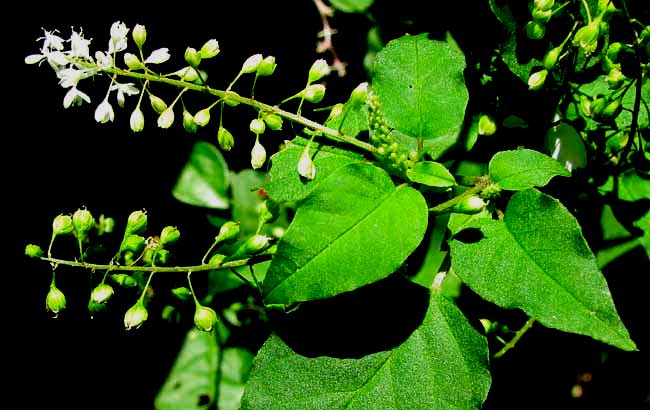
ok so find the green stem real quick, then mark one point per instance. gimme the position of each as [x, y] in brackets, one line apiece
[440, 208]
[326, 131]
[146, 286]
[515, 338]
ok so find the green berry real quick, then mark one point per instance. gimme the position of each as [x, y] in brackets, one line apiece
[551, 57]
[33, 251]
[55, 300]
[136, 223]
[225, 138]
[228, 231]
[135, 316]
[102, 293]
[124, 280]
[157, 104]
[535, 30]
[188, 122]
[133, 243]
[537, 79]
[486, 125]
[62, 225]
[205, 318]
[169, 235]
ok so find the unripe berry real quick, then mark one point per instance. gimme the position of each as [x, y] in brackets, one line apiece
[33, 251]
[318, 70]
[192, 57]
[537, 79]
[188, 122]
[257, 126]
[225, 138]
[274, 121]
[314, 93]
[169, 235]
[205, 318]
[102, 293]
[62, 225]
[136, 223]
[83, 222]
[135, 316]
[133, 243]
[139, 35]
[182, 293]
[210, 49]
[55, 300]
[251, 64]
[266, 67]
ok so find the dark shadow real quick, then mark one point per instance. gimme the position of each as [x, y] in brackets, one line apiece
[469, 235]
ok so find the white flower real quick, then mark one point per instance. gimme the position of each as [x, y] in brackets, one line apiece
[128, 89]
[258, 155]
[51, 42]
[306, 166]
[70, 77]
[166, 119]
[104, 112]
[74, 97]
[117, 42]
[104, 60]
[50, 51]
[79, 46]
[158, 56]
[137, 120]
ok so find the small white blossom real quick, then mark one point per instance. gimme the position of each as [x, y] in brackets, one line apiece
[306, 167]
[251, 64]
[122, 89]
[104, 60]
[117, 42]
[51, 41]
[70, 77]
[158, 56]
[74, 97]
[166, 119]
[258, 155]
[137, 120]
[79, 46]
[104, 112]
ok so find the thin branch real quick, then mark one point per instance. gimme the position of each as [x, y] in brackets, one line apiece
[529, 323]
[326, 43]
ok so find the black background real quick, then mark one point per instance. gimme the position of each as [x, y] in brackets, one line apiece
[56, 160]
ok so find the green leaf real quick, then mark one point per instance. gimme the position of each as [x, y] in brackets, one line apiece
[431, 174]
[435, 255]
[286, 185]
[351, 6]
[353, 119]
[524, 168]
[421, 88]
[246, 199]
[203, 181]
[355, 228]
[536, 259]
[442, 365]
[192, 382]
[235, 366]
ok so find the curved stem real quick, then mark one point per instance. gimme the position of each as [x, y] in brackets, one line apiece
[529, 323]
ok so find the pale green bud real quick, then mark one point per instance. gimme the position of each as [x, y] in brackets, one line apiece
[257, 126]
[360, 94]
[33, 251]
[139, 35]
[318, 70]
[210, 49]
[62, 225]
[228, 230]
[537, 79]
[83, 221]
[314, 93]
[551, 57]
[544, 4]
[542, 16]
[169, 235]
[166, 119]
[274, 121]
[102, 293]
[135, 316]
[132, 61]
[615, 78]
[258, 154]
[124, 280]
[188, 122]
[535, 30]
[205, 318]
[472, 204]
[136, 121]
[192, 57]
[251, 64]
[225, 138]
[486, 125]
[55, 300]
[216, 259]
[136, 223]
[266, 67]
[202, 118]
[133, 243]
[157, 103]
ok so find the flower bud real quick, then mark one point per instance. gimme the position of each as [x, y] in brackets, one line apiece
[614, 52]
[258, 154]
[257, 126]
[83, 222]
[136, 223]
[544, 4]
[163, 256]
[55, 300]
[157, 103]
[597, 106]
[228, 230]
[139, 35]
[216, 259]
[587, 37]
[472, 204]
[225, 138]
[202, 118]
[135, 316]
[251, 64]
[314, 93]
[535, 30]
[133, 243]
[192, 57]
[360, 93]
[486, 125]
[188, 122]
[551, 57]
[205, 318]
[62, 225]
[612, 110]
[166, 119]
[132, 61]
[137, 120]
[124, 280]
[274, 121]
[188, 74]
[105, 225]
[615, 78]
[267, 66]
[169, 235]
[94, 307]
[542, 16]
[231, 102]
[210, 49]
[336, 112]
[182, 293]
[33, 251]
[318, 70]
[537, 79]
[306, 167]
[102, 293]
